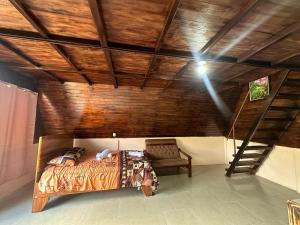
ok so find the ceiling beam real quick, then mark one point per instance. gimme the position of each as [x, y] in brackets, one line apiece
[277, 37]
[221, 33]
[228, 26]
[168, 21]
[28, 59]
[62, 40]
[35, 22]
[97, 13]
[285, 58]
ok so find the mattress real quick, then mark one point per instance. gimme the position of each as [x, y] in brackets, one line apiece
[120, 171]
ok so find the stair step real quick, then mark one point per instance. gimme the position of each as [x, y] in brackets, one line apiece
[255, 147]
[278, 119]
[247, 163]
[292, 82]
[250, 155]
[284, 108]
[270, 130]
[264, 139]
[242, 170]
[288, 96]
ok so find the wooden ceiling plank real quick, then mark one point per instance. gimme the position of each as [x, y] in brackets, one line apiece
[97, 13]
[178, 74]
[277, 37]
[221, 33]
[35, 22]
[61, 40]
[251, 4]
[28, 59]
[283, 59]
[168, 21]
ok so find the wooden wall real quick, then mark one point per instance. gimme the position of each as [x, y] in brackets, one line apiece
[100, 110]
[250, 111]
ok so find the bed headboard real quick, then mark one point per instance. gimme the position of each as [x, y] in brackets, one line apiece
[50, 147]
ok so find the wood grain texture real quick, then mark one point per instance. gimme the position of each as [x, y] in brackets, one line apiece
[68, 18]
[263, 22]
[129, 111]
[251, 109]
[11, 18]
[41, 52]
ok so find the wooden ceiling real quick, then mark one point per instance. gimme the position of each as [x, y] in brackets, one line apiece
[149, 43]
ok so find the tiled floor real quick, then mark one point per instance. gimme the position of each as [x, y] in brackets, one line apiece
[209, 198]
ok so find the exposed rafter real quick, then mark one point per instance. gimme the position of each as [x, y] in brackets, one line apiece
[228, 26]
[170, 17]
[178, 74]
[222, 32]
[28, 59]
[277, 37]
[34, 21]
[283, 59]
[96, 10]
[62, 40]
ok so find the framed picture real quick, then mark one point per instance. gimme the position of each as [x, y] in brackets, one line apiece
[259, 88]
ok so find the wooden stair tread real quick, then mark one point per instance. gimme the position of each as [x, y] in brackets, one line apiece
[255, 147]
[247, 163]
[242, 170]
[278, 119]
[250, 155]
[288, 96]
[271, 129]
[284, 108]
[292, 82]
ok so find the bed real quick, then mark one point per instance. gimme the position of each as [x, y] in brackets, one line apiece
[89, 174]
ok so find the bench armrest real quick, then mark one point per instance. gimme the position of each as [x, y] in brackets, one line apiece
[184, 153]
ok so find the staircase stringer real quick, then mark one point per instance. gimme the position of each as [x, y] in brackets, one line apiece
[282, 77]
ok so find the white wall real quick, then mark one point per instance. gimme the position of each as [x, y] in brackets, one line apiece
[204, 150]
[282, 166]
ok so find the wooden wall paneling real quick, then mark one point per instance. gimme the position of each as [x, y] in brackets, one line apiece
[129, 111]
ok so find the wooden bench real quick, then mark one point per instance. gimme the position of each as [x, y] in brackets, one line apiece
[164, 153]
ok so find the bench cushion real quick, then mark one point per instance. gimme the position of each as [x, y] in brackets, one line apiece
[162, 149]
[169, 163]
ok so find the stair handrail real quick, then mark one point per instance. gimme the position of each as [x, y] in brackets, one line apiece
[238, 114]
[268, 101]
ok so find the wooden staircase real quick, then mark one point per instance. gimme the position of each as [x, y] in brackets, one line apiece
[271, 123]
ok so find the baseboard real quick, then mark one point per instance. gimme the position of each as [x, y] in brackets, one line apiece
[10, 187]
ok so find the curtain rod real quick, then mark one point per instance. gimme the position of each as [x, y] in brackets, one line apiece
[23, 89]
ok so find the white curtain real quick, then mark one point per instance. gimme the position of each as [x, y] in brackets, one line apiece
[17, 122]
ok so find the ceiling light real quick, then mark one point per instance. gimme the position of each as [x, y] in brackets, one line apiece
[201, 68]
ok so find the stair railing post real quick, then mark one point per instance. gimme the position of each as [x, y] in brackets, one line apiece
[234, 143]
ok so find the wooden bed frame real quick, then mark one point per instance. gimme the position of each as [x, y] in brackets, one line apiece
[50, 147]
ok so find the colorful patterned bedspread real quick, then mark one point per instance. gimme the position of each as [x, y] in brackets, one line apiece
[137, 171]
[120, 171]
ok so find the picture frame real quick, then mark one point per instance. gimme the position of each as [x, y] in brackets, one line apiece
[259, 88]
